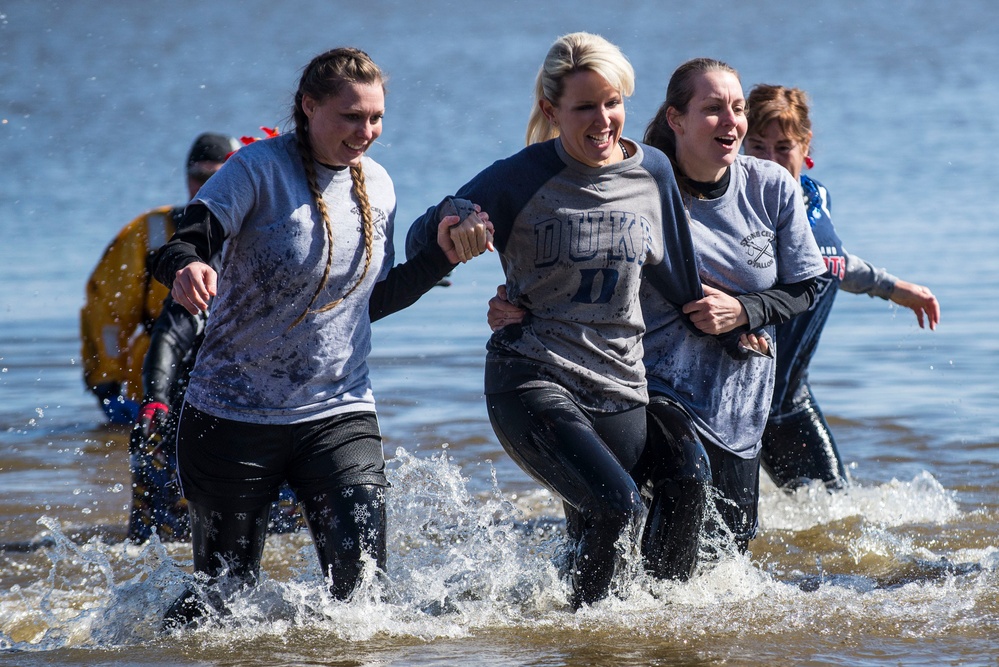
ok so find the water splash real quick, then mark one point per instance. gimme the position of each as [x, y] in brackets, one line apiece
[463, 564]
[923, 500]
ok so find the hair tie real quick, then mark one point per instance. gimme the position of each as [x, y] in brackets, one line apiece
[271, 132]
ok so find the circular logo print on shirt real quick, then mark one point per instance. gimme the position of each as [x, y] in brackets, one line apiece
[759, 247]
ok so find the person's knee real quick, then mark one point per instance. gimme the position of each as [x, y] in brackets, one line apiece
[800, 448]
[675, 453]
[671, 536]
[228, 542]
[689, 465]
[616, 512]
[348, 528]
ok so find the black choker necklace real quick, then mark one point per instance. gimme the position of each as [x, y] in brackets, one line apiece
[624, 151]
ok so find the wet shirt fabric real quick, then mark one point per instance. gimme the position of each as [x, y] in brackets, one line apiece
[574, 242]
[751, 238]
[798, 338]
[254, 366]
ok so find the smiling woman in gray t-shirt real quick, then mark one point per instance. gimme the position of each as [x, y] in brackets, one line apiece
[580, 216]
[759, 263]
[279, 392]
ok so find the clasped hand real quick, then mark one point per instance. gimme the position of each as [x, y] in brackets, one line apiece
[461, 240]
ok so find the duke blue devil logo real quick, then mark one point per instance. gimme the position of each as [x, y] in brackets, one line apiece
[591, 235]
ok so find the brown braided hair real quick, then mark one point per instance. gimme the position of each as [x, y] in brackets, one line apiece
[324, 77]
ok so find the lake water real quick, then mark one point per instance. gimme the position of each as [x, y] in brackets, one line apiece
[99, 104]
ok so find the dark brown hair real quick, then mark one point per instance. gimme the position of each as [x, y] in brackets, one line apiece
[679, 92]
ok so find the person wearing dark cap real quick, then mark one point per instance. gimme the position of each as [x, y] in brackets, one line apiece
[164, 340]
[158, 506]
[122, 299]
[207, 154]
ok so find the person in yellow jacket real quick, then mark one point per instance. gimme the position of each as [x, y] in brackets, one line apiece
[123, 300]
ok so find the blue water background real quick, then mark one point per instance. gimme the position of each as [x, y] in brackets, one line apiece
[99, 103]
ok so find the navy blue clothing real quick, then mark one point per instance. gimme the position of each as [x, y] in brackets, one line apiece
[798, 338]
[797, 443]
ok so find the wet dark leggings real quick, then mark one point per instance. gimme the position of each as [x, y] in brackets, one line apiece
[584, 459]
[228, 546]
[675, 476]
[344, 524]
[800, 448]
[736, 483]
[678, 475]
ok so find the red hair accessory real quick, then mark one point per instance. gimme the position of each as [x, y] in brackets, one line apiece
[271, 132]
[809, 162]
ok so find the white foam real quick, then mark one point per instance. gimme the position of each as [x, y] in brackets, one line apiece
[461, 564]
[896, 503]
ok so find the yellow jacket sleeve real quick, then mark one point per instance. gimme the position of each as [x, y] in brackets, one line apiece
[122, 301]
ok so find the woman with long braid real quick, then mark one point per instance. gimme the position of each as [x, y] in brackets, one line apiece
[280, 389]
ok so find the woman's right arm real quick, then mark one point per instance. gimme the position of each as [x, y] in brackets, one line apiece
[862, 277]
[182, 263]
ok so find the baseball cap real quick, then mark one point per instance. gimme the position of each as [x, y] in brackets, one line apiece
[210, 147]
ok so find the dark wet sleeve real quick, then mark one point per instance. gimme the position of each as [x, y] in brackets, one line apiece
[199, 237]
[407, 282]
[171, 347]
[778, 304]
[422, 233]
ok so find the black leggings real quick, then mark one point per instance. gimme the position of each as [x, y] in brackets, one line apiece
[583, 458]
[231, 472]
[677, 472]
[344, 524]
[799, 447]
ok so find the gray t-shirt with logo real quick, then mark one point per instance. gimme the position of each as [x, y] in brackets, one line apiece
[254, 365]
[751, 238]
[574, 242]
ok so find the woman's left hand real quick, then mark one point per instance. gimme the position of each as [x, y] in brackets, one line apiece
[755, 343]
[920, 300]
[716, 312]
[503, 313]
